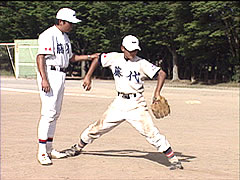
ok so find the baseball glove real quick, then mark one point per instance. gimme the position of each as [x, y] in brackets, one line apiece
[160, 107]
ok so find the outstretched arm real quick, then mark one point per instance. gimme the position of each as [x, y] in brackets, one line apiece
[87, 78]
[160, 81]
[76, 58]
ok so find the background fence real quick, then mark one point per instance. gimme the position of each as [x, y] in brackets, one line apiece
[20, 56]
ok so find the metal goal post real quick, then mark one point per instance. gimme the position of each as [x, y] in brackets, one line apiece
[23, 60]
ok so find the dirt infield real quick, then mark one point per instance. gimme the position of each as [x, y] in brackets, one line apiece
[203, 129]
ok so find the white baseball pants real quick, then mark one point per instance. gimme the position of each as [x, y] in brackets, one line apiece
[135, 112]
[51, 103]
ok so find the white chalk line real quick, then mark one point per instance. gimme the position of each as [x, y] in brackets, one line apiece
[67, 94]
[235, 90]
[193, 102]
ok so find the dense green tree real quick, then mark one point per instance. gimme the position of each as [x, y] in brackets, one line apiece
[196, 39]
[210, 40]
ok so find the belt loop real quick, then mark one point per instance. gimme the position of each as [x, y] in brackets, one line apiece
[57, 68]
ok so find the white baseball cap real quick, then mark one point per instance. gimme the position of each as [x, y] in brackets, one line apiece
[67, 14]
[131, 43]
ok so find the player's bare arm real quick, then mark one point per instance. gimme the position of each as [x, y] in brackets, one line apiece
[41, 64]
[160, 81]
[91, 57]
[87, 78]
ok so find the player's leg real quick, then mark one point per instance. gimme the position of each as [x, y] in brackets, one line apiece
[142, 121]
[110, 119]
[48, 116]
[43, 125]
[53, 153]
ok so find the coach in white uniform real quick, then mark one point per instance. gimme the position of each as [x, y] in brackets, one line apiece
[129, 71]
[53, 58]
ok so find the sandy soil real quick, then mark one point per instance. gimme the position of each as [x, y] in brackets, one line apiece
[203, 129]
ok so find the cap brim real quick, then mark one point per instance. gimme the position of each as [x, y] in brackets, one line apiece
[133, 48]
[75, 20]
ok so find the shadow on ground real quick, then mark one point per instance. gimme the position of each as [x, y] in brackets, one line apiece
[128, 153]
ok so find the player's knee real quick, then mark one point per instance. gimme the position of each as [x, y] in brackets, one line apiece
[50, 117]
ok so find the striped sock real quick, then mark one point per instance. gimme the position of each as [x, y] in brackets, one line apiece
[49, 145]
[41, 141]
[82, 144]
[50, 140]
[169, 153]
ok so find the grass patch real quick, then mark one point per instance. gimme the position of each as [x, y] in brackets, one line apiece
[4, 72]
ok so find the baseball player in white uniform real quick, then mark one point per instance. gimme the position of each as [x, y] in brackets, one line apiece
[128, 70]
[54, 54]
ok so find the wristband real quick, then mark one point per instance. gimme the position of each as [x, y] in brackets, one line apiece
[89, 57]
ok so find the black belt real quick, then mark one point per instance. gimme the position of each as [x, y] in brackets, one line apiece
[61, 69]
[127, 96]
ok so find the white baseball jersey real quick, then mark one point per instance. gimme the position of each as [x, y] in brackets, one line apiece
[128, 74]
[128, 77]
[56, 46]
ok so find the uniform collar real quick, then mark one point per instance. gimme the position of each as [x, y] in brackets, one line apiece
[133, 60]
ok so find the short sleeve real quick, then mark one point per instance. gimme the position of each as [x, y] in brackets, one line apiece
[106, 59]
[45, 44]
[148, 68]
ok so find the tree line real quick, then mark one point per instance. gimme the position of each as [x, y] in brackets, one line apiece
[194, 40]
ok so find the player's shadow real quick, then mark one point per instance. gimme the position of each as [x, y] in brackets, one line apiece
[152, 156]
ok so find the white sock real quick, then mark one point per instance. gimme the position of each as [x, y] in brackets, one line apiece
[42, 148]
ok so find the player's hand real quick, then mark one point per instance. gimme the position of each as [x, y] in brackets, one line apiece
[86, 83]
[95, 55]
[45, 86]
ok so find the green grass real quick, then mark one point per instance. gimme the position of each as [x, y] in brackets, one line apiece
[6, 68]
[4, 72]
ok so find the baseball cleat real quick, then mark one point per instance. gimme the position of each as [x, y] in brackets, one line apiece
[73, 151]
[57, 155]
[44, 159]
[176, 165]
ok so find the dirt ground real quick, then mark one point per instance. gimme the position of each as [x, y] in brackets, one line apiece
[203, 130]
